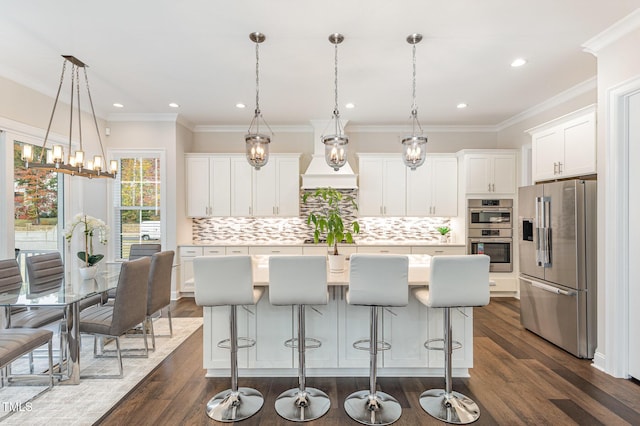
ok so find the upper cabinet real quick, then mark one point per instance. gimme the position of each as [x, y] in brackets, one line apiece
[489, 172]
[432, 189]
[208, 185]
[565, 147]
[382, 185]
[226, 185]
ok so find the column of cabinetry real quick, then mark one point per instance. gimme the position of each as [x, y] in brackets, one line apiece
[565, 147]
[382, 185]
[432, 189]
[489, 172]
[208, 185]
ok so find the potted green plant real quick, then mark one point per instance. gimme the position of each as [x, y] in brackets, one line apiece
[328, 223]
[444, 231]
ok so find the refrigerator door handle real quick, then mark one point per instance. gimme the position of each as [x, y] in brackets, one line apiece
[552, 289]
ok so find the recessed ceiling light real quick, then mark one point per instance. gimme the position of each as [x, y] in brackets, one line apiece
[518, 62]
[350, 105]
[117, 105]
[174, 105]
[461, 105]
[240, 105]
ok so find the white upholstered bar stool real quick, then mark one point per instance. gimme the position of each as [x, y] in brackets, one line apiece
[221, 281]
[300, 281]
[376, 281]
[455, 282]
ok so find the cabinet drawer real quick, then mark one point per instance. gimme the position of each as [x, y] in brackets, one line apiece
[236, 250]
[385, 249]
[438, 250]
[275, 250]
[190, 251]
[214, 251]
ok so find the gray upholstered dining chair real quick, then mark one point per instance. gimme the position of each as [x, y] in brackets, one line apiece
[143, 250]
[128, 310]
[159, 290]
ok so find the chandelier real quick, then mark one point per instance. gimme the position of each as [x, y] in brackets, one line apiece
[54, 159]
[335, 145]
[414, 146]
[256, 143]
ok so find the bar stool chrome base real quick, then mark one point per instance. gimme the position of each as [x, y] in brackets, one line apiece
[299, 406]
[452, 408]
[369, 409]
[229, 406]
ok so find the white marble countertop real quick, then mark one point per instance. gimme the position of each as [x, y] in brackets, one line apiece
[296, 243]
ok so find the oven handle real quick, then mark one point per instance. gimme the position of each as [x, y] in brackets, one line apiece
[490, 209]
[491, 240]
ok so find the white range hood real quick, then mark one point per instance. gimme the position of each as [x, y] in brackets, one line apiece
[319, 174]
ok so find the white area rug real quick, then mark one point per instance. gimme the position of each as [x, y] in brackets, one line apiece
[85, 403]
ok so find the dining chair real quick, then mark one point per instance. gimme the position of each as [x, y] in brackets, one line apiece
[143, 250]
[44, 271]
[159, 290]
[128, 310]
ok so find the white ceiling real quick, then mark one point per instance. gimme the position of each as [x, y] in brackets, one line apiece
[148, 53]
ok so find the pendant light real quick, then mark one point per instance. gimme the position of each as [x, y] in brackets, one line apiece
[335, 145]
[75, 164]
[414, 146]
[256, 143]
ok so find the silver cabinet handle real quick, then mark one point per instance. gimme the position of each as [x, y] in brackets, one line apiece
[380, 209]
[493, 187]
[559, 167]
[384, 251]
[489, 187]
[385, 209]
[555, 168]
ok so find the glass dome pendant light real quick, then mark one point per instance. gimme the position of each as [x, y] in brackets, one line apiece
[256, 143]
[414, 147]
[335, 145]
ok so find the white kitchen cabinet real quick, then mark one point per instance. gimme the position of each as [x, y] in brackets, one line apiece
[353, 325]
[489, 172]
[432, 189]
[565, 147]
[407, 343]
[187, 254]
[276, 187]
[439, 250]
[274, 190]
[322, 324]
[384, 249]
[236, 250]
[273, 325]
[284, 250]
[216, 327]
[382, 185]
[462, 324]
[208, 180]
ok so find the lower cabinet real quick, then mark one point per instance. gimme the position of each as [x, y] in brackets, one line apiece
[321, 324]
[216, 329]
[407, 343]
[273, 325]
[462, 325]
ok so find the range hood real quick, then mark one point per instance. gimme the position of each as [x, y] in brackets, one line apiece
[319, 174]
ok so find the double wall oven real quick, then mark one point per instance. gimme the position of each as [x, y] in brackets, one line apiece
[490, 231]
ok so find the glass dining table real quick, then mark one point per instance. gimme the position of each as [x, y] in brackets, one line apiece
[66, 295]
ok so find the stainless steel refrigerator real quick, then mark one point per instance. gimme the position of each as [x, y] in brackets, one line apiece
[557, 253]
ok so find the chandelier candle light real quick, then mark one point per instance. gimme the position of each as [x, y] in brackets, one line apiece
[335, 145]
[257, 144]
[414, 147]
[54, 159]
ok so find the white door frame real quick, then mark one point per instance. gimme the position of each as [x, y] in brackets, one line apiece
[613, 358]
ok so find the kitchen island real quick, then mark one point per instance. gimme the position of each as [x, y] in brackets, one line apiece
[337, 325]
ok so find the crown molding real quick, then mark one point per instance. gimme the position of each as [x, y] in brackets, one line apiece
[427, 129]
[297, 128]
[560, 98]
[616, 31]
[164, 117]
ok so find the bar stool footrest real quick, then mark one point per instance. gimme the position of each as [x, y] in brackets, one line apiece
[248, 343]
[365, 345]
[429, 345]
[309, 343]
[453, 408]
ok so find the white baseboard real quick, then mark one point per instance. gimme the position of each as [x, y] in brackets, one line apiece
[599, 361]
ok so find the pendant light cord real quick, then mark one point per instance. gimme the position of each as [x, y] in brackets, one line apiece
[414, 105]
[336, 113]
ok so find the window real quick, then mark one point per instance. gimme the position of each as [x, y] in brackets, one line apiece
[38, 200]
[137, 201]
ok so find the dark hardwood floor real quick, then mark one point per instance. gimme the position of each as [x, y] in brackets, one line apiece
[517, 379]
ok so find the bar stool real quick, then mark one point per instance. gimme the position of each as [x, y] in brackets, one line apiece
[221, 281]
[455, 281]
[376, 281]
[300, 280]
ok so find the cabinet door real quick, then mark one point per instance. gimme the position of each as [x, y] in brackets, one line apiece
[407, 343]
[198, 190]
[579, 147]
[547, 150]
[240, 187]
[462, 323]
[504, 174]
[419, 185]
[273, 325]
[394, 187]
[288, 187]
[216, 328]
[370, 187]
[220, 184]
[264, 194]
[322, 324]
[353, 324]
[478, 169]
[444, 187]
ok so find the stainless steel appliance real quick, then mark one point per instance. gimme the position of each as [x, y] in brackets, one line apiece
[489, 231]
[557, 253]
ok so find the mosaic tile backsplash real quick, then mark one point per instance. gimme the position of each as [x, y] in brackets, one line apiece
[266, 230]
